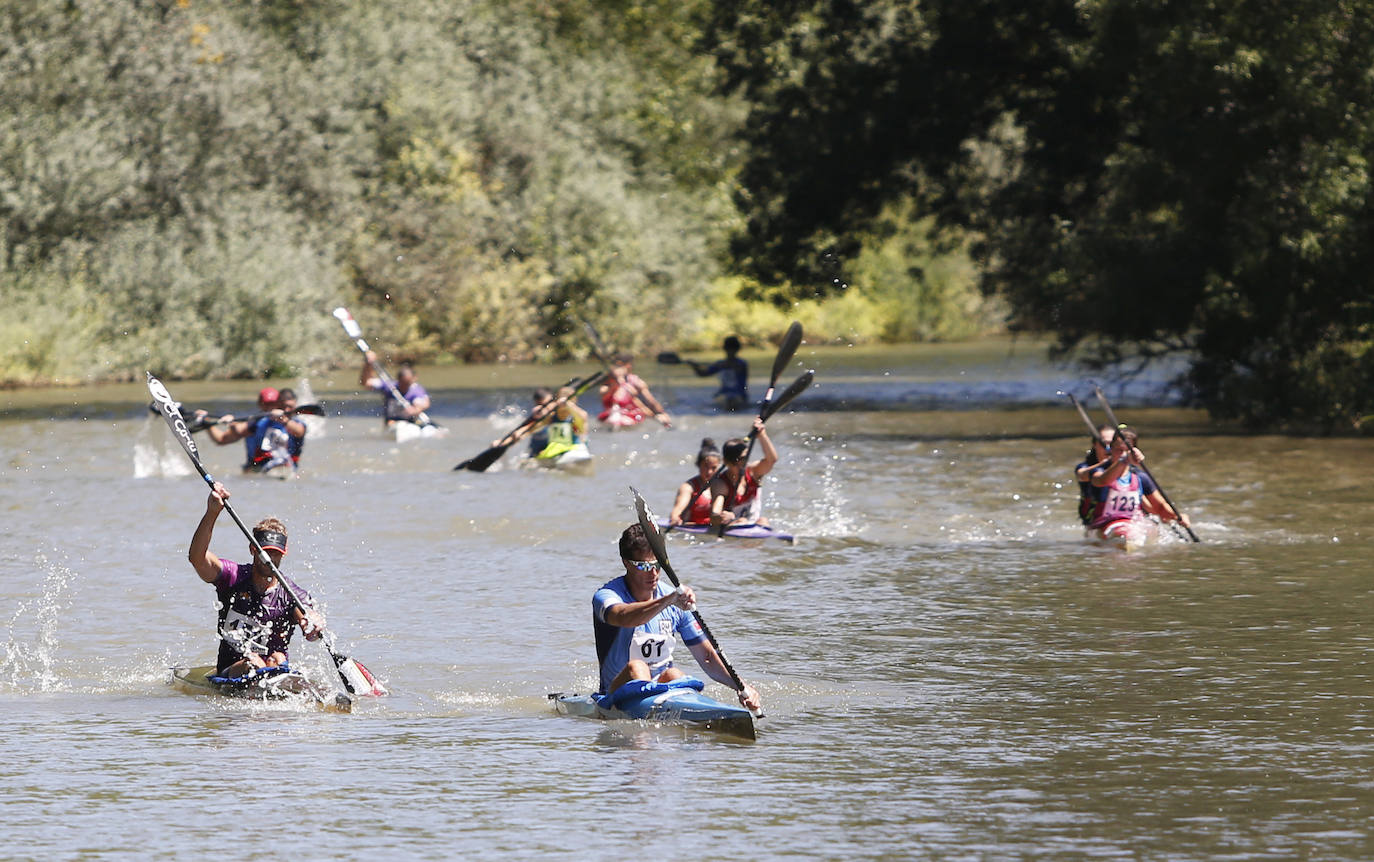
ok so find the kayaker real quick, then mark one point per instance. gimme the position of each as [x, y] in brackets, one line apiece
[693, 503]
[636, 621]
[539, 434]
[734, 376]
[1123, 491]
[735, 495]
[228, 429]
[1097, 458]
[566, 425]
[416, 398]
[280, 436]
[256, 616]
[626, 397]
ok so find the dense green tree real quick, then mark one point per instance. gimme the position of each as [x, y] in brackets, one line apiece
[1143, 177]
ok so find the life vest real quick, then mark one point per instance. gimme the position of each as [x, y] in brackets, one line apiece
[699, 512]
[1121, 502]
[563, 435]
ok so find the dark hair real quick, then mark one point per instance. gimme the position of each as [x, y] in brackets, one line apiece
[633, 543]
[734, 449]
[623, 358]
[283, 394]
[708, 450]
[1127, 433]
[731, 344]
[542, 394]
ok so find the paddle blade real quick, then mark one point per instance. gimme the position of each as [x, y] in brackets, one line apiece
[358, 679]
[791, 340]
[480, 463]
[349, 324]
[660, 548]
[309, 409]
[669, 358]
[171, 411]
[800, 385]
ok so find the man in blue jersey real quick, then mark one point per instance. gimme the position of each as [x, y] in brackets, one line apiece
[636, 621]
[734, 376]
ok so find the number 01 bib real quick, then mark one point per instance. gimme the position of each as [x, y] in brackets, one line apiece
[653, 649]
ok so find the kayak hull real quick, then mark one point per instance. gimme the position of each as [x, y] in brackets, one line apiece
[404, 432]
[675, 706]
[745, 531]
[287, 687]
[1129, 536]
[579, 457]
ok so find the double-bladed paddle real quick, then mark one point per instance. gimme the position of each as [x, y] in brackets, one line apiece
[355, 332]
[491, 455]
[194, 425]
[1111, 417]
[356, 678]
[660, 549]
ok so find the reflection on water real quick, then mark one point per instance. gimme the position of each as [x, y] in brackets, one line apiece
[948, 669]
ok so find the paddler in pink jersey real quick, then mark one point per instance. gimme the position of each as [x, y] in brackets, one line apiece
[1124, 492]
[626, 397]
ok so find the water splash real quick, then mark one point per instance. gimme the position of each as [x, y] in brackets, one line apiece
[28, 659]
[156, 455]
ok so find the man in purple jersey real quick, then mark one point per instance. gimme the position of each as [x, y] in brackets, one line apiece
[416, 398]
[256, 615]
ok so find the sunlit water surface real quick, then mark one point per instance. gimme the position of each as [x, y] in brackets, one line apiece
[949, 669]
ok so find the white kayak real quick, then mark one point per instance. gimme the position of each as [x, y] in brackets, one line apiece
[404, 432]
[275, 685]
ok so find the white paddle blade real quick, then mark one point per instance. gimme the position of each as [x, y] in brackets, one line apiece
[360, 680]
[349, 324]
[172, 413]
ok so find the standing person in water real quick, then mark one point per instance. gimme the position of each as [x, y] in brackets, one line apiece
[626, 397]
[693, 503]
[256, 616]
[636, 622]
[734, 376]
[1124, 491]
[1096, 459]
[735, 495]
[416, 398]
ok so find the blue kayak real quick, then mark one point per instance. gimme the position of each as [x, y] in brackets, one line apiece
[743, 531]
[679, 701]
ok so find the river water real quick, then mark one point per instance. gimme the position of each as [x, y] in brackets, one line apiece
[949, 670]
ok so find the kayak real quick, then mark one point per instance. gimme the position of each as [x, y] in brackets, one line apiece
[676, 702]
[579, 457]
[743, 531]
[280, 471]
[1130, 535]
[274, 685]
[407, 431]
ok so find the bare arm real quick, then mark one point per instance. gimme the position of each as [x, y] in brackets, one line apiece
[680, 503]
[761, 467]
[206, 564]
[368, 378]
[1085, 473]
[710, 662]
[1155, 504]
[627, 615]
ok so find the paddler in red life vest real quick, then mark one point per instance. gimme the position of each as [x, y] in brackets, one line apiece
[256, 616]
[636, 622]
[627, 398]
[1124, 492]
[735, 495]
[693, 503]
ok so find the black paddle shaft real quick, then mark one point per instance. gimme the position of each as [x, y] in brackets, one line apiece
[179, 430]
[660, 550]
[1111, 417]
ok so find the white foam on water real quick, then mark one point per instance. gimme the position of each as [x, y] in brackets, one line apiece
[156, 455]
[28, 654]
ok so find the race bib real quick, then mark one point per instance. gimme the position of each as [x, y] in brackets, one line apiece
[1122, 504]
[652, 649]
[243, 633]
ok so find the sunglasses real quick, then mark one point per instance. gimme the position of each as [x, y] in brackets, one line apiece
[645, 565]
